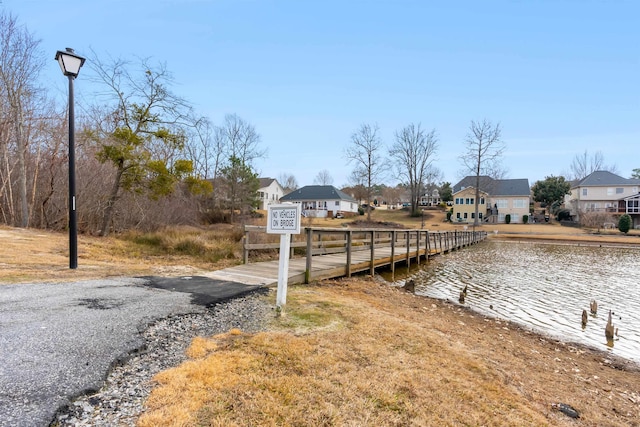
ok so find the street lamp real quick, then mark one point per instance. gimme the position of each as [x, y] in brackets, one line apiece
[70, 64]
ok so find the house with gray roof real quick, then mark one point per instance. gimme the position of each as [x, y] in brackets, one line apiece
[322, 201]
[606, 193]
[498, 198]
[270, 192]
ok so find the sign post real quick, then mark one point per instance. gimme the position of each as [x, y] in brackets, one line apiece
[283, 220]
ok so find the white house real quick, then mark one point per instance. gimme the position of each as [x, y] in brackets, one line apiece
[322, 201]
[270, 192]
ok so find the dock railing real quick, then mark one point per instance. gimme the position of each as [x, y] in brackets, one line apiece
[365, 249]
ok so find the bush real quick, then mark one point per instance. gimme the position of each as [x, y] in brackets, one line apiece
[507, 219]
[563, 215]
[624, 223]
[449, 213]
[525, 219]
[360, 210]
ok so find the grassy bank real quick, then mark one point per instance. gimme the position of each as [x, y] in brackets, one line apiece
[361, 353]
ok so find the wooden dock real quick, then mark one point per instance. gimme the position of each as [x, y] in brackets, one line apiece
[324, 253]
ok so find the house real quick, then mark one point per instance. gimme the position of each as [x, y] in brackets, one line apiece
[322, 201]
[603, 192]
[430, 198]
[498, 198]
[270, 192]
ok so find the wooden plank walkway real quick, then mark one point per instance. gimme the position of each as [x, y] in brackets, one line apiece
[346, 256]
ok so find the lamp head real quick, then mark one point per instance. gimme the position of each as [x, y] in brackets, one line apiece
[69, 61]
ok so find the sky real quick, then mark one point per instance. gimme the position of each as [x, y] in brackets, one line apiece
[560, 77]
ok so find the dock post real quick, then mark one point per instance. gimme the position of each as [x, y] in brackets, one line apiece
[307, 273]
[349, 240]
[418, 247]
[372, 269]
[408, 238]
[427, 247]
[393, 255]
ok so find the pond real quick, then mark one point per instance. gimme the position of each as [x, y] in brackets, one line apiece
[546, 287]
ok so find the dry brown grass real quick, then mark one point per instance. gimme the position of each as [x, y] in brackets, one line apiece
[37, 255]
[356, 352]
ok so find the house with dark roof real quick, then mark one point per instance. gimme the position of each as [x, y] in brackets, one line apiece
[322, 201]
[603, 192]
[498, 198]
[270, 192]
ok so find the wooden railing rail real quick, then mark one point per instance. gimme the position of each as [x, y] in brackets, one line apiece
[404, 245]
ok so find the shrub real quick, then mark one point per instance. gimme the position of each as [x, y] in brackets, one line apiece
[525, 219]
[563, 215]
[449, 213]
[360, 210]
[624, 223]
[507, 219]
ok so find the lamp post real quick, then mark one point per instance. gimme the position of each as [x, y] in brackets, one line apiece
[70, 64]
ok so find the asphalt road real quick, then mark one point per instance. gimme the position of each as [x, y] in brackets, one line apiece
[58, 341]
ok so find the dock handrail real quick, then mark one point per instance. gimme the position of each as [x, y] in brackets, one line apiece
[415, 244]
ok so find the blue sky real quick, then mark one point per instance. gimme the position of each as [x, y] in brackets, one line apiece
[560, 76]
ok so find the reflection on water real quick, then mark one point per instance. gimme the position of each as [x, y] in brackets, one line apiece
[546, 287]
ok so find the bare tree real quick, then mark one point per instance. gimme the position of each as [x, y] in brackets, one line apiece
[323, 178]
[242, 140]
[365, 151]
[206, 148]
[288, 182]
[484, 148]
[583, 165]
[20, 64]
[414, 153]
[393, 195]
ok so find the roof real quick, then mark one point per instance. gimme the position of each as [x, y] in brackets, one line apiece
[265, 182]
[605, 178]
[316, 192]
[496, 187]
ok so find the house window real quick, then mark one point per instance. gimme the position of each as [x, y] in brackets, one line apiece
[458, 215]
[482, 200]
[502, 203]
[501, 217]
[584, 191]
[610, 191]
[619, 190]
[519, 203]
[337, 202]
[480, 215]
[515, 218]
[473, 215]
[465, 215]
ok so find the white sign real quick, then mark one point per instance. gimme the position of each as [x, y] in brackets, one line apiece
[283, 219]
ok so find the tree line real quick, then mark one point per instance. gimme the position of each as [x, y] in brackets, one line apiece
[144, 157]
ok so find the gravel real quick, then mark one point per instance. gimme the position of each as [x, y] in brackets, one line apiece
[121, 400]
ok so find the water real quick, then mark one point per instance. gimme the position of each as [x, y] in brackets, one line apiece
[546, 287]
